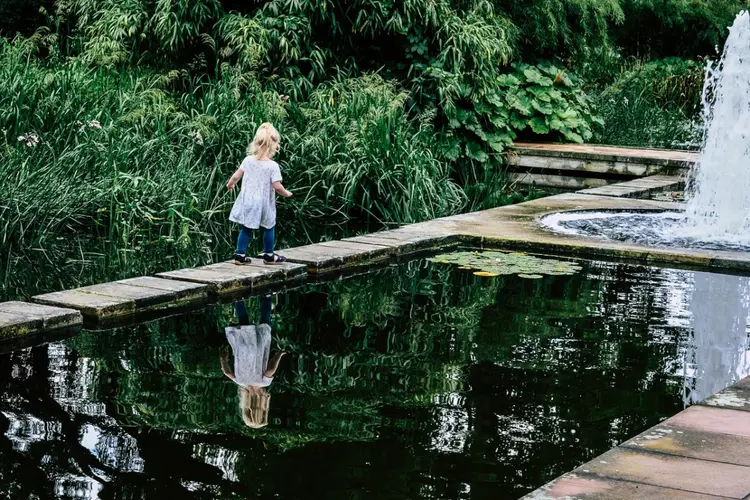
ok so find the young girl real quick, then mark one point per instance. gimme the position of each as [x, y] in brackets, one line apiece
[256, 203]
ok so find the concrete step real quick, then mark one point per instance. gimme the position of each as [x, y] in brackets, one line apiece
[226, 277]
[23, 318]
[124, 297]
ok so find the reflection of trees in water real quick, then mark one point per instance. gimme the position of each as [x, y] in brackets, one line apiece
[441, 382]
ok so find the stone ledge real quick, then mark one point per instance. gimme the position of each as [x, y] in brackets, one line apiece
[226, 277]
[123, 297]
[23, 318]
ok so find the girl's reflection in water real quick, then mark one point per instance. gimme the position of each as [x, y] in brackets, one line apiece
[253, 370]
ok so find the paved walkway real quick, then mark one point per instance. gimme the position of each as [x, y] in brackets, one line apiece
[702, 452]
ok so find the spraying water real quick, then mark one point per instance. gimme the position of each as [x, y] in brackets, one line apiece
[717, 212]
[718, 203]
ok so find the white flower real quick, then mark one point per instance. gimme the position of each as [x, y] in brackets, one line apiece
[197, 137]
[95, 124]
[29, 138]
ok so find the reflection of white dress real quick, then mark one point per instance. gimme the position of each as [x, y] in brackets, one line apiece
[251, 347]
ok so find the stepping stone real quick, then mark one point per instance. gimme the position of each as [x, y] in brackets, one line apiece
[331, 255]
[22, 318]
[407, 240]
[638, 187]
[124, 297]
[226, 277]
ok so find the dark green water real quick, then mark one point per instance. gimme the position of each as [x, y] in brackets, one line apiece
[414, 382]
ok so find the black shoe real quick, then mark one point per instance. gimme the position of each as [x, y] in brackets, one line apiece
[273, 258]
[241, 260]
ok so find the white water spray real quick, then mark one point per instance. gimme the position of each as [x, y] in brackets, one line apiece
[718, 203]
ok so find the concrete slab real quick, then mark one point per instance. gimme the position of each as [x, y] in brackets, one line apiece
[89, 304]
[681, 159]
[639, 187]
[181, 289]
[143, 297]
[589, 487]
[691, 443]
[365, 251]
[51, 317]
[679, 473]
[321, 258]
[12, 325]
[555, 180]
[124, 297]
[734, 398]
[710, 419]
[226, 277]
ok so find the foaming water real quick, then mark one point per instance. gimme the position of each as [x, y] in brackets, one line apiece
[665, 229]
[719, 185]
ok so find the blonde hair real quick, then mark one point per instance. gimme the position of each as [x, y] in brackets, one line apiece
[254, 404]
[266, 142]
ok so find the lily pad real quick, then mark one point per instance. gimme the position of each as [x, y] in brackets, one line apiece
[485, 274]
[491, 263]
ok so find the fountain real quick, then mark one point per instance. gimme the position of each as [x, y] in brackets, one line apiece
[716, 215]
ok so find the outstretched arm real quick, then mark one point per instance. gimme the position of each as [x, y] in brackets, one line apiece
[281, 190]
[273, 365]
[225, 365]
[235, 179]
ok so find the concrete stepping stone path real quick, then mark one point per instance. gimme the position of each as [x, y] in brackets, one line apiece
[639, 187]
[226, 277]
[124, 297]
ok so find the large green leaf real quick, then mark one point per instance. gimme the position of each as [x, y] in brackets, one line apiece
[508, 81]
[533, 75]
[539, 125]
[572, 136]
[521, 102]
[543, 107]
[476, 152]
[518, 122]
[541, 93]
[498, 142]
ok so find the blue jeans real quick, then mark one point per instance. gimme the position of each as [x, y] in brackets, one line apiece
[246, 234]
[265, 311]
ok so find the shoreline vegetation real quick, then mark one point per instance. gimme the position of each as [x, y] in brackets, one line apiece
[120, 120]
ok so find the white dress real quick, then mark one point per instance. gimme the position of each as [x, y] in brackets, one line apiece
[251, 347]
[256, 204]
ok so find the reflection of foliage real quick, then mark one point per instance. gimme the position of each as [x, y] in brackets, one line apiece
[423, 361]
[490, 264]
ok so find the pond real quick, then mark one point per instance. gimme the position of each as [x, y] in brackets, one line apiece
[418, 381]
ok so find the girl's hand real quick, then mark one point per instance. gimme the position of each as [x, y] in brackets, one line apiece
[288, 194]
[230, 186]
